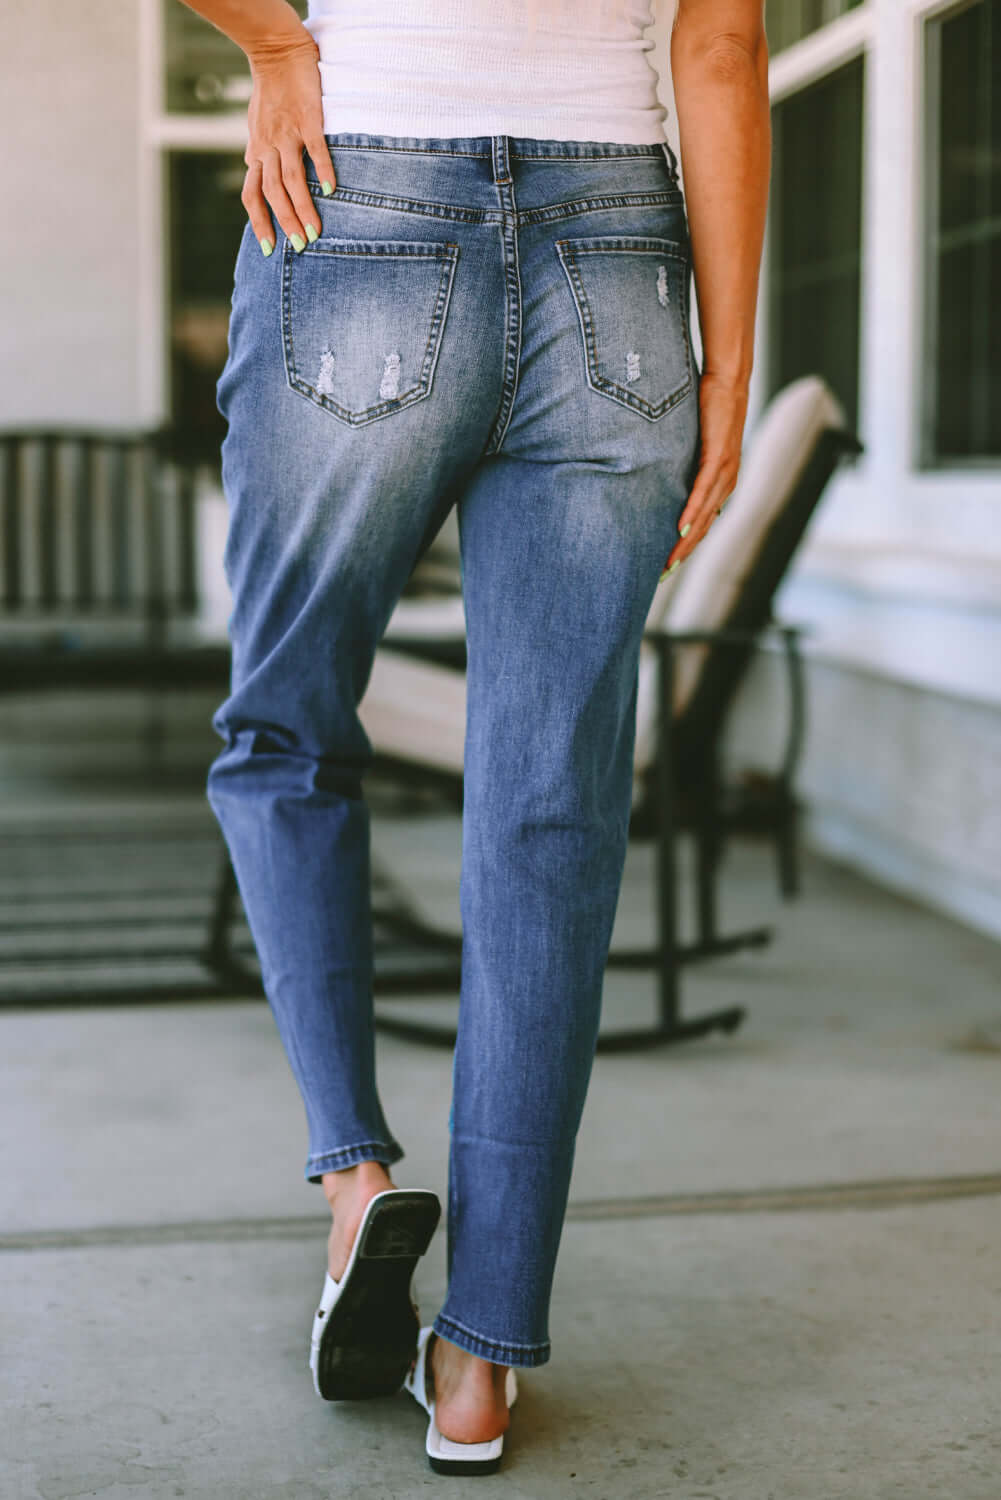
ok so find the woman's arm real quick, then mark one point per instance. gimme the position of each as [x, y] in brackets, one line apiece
[719, 65]
[285, 114]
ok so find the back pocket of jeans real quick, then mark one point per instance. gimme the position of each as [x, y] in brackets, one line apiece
[631, 294]
[362, 322]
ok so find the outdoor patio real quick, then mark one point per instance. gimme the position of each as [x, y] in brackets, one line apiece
[779, 1277]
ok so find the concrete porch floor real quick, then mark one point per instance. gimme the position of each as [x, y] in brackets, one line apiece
[780, 1277]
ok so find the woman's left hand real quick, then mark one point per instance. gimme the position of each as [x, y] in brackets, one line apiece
[285, 115]
[723, 410]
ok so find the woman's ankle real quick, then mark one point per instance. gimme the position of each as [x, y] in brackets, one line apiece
[363, 1180]
[470, 1389]
[469, 1394]
[348, 1194]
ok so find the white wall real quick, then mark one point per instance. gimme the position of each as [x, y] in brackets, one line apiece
[70, 230]
[900, 782]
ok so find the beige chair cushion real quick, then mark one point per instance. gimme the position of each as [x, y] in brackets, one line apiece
[414, 619]
[706, 587]
[416, 710]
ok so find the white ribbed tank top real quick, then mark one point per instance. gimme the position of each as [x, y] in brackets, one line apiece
[548, 69]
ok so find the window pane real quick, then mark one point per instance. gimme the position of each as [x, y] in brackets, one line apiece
[205, 70]
[815, 231]
[963, 363]
[206, 222]
[788, 21]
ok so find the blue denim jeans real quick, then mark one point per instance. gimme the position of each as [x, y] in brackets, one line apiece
[502, 325]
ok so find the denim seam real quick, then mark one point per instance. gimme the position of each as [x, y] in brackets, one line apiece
[447, 254]
[512, 334]
[426, 207]
[555, 211]
[567, 251]
[546, 214]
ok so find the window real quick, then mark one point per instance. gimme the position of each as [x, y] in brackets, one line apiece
[206, 220]
[815, 223]
[206, 74]
[788, 21]
[962, 397]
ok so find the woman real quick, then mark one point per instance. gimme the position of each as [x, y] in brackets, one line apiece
[464, 281]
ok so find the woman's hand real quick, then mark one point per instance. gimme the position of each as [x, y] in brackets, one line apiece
[285, 114]
[722, 412]
[719, 69]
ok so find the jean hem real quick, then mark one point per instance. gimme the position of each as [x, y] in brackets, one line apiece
[524, 1355]
[386, 1152]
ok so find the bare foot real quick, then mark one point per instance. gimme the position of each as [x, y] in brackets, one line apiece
[470, 1403]
[349, 1193]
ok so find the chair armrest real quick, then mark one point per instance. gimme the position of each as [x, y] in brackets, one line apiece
[427, 618]
[433, 628]
[848, 441]
[414, 644]
[727, 637]
[445, 650]
[665, 641]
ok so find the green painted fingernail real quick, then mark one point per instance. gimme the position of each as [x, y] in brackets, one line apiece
[298, 243]
[312, 233]
[685, 529]
[266, 245]
[327, 186]
[675, 564]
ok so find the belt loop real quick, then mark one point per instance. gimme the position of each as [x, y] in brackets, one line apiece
[672, 160]
[501, 158]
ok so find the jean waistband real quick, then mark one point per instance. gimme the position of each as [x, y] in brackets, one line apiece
[513, 148]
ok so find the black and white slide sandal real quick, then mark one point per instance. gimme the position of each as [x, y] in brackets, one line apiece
[365, 1328]
[444, 1456]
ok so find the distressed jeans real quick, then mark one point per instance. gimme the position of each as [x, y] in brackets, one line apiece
[500, 325]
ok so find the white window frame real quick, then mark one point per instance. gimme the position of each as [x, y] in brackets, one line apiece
[927, 460]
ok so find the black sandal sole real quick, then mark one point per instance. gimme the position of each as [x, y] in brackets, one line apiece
[369, 1340]
[460, 1466]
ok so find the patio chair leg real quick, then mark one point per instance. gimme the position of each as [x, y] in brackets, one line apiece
[394, 910]
[709, 846]
[234, 976]
[397, 913]
[788, 826]
[664, 959]
[787, 850]
[669, 954]
[708, 851]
